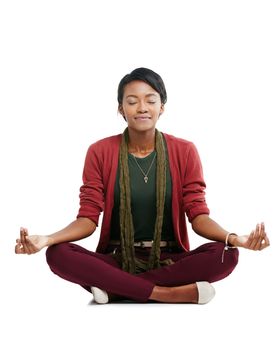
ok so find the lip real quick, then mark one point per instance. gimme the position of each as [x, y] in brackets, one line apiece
[142, 117]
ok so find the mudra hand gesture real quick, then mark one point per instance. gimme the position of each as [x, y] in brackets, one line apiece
[256, 240]
[30, 244]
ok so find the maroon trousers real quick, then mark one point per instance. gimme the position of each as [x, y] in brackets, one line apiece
[79, 265]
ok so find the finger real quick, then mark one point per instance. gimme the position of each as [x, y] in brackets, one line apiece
[262, 228]
[258, 237]
[265, 243]
[254, 241]
[24, 234]
[262, 234]
[250, 240]
[19, 249]
[31, 246]
[22, 238]
[21, 234]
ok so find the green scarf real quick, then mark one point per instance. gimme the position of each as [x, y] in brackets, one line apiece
[129, 261]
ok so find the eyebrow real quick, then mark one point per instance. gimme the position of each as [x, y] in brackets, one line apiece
[148, 95]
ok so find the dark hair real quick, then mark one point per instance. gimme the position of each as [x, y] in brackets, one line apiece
[148, 76]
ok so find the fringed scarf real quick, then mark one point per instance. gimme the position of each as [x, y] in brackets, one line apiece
[129, 261]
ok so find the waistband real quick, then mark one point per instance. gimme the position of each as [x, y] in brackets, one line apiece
[147, 244]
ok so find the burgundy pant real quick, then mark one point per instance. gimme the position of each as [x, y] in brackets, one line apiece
[79, 265]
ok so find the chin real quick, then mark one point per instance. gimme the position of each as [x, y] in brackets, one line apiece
[142, 128]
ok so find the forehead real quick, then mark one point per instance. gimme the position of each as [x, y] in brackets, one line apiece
[139, 88]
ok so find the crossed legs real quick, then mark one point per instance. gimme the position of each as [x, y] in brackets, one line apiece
[173, 283]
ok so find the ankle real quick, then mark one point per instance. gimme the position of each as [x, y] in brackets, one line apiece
[160, 293]
[180, 294]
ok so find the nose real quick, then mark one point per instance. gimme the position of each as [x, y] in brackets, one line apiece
[142, 108]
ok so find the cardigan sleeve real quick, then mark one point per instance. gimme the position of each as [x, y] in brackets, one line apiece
[92, 190]
[194, 186]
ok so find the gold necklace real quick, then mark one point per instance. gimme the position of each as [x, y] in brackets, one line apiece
[142, 171]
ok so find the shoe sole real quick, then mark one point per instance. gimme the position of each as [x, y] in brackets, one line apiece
[206, 292]
[99, 296]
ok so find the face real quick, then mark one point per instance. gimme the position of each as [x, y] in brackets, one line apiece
[141, 106]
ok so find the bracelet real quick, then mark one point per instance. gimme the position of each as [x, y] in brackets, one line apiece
[227, 246]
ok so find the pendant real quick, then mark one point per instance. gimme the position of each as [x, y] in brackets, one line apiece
[146, 179]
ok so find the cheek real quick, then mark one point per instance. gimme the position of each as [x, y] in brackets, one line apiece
[129, 110]
[157, 110]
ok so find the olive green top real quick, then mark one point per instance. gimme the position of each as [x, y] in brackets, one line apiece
[143, 201]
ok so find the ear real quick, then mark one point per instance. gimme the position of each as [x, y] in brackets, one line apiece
[120, 109]
[161, 109]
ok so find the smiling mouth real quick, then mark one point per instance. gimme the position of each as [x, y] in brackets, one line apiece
[142, 118]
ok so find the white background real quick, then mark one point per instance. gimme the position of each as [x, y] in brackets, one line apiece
[60, 64]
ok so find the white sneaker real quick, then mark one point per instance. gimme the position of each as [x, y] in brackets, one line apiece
[99, 296]
[206, 292]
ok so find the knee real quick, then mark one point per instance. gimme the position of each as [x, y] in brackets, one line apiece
[229, 256]
[55, 252]
[234, 256]
[230, 259]
[226, 261]
[232, 253]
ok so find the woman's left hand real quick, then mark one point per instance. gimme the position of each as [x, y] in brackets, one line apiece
[257, 240]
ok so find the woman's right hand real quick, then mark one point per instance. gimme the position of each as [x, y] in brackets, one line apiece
[30, 244]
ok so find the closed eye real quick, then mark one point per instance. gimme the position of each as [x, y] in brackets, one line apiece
[150, 102]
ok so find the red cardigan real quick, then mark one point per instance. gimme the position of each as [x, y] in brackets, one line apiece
[99, 176]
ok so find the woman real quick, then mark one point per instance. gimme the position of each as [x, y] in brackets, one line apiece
[146, 182]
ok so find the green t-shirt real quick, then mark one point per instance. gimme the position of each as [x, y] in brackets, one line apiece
[143, 201]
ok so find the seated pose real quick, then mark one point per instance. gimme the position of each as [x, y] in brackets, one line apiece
[146, 182]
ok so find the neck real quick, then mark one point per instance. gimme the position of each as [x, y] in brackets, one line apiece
[141, 143]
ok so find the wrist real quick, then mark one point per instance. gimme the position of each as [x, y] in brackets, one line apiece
[50, 241]
[232, 239]
[229, 243]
